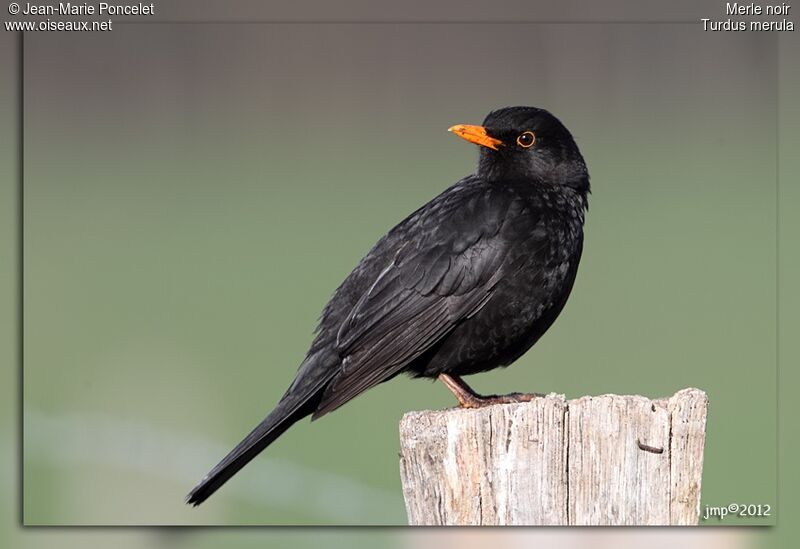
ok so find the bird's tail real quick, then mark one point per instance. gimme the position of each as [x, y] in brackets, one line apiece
[300, 401]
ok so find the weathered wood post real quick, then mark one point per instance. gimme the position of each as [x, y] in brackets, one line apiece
[606, 459]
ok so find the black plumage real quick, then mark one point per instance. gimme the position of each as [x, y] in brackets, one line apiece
[467, 283]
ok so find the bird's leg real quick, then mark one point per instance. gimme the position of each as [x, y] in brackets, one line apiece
[468, 398]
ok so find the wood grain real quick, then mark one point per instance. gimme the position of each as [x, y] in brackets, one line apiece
[603, 460]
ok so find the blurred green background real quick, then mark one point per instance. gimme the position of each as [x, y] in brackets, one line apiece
[193, 194]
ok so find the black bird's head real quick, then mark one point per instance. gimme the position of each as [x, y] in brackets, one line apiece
[527, 143]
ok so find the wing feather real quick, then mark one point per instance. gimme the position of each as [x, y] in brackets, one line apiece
[432, 283]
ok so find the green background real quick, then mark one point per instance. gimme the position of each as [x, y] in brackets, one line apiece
[193, 207]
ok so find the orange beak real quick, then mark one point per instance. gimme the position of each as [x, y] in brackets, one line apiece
[475, 134]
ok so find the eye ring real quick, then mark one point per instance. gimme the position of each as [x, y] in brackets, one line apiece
[526, 139]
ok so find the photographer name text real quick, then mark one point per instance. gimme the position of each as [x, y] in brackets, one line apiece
[101, 8]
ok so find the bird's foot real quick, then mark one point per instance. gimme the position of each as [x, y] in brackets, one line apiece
[468, 398]
[479, 401]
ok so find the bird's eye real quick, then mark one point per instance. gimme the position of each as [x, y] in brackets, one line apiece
[526, 139]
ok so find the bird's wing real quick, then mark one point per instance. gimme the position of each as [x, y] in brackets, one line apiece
[446, 272]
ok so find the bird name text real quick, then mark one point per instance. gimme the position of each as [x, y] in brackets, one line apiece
[733, 10]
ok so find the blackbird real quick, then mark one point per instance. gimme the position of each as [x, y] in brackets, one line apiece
[467, 283]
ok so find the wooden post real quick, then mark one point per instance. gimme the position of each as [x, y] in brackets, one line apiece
[604, 460]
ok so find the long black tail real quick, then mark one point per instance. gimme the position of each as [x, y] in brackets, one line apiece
[294, 406]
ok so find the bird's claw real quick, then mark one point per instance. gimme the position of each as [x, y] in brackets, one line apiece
[481, 401]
